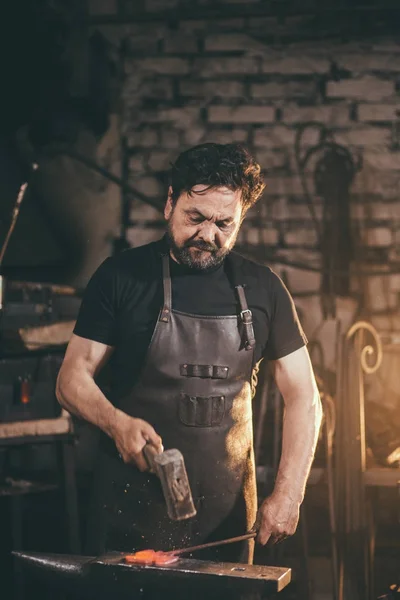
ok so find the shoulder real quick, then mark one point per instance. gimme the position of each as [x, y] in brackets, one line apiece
[125, 274]
[134, 263]
[255, 271]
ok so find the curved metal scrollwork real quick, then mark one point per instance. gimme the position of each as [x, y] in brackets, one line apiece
[368, 350]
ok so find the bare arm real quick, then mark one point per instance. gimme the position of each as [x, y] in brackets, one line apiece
[302, 419]
[77, 391]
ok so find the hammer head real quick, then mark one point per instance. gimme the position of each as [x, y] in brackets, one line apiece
[170, 468]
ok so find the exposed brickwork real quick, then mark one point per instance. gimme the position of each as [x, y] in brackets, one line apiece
[192, 81]
[241, 114]
[333, 115]
[212, 89]
[383, 161]
[228, 42]
[364, 136]
[146, 137]
[170, 138]
[274, 137]
[227, 136]
[379, 236]
[161, 65]
[370, 62]
[378, 112]
[256, 236]
[175, 44]
[298, 64]
[212, 67]
[182, 118]
[303, 238]
[289, 89]
[366, 88]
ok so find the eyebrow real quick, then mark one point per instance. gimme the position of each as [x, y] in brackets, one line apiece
[192, 211]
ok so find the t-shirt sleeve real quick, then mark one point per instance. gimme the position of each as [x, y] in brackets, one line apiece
[286, 334]
[97, 315]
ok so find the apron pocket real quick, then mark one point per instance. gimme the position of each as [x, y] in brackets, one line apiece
[201, 411]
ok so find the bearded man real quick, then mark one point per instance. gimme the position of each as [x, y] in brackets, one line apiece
[184, 323]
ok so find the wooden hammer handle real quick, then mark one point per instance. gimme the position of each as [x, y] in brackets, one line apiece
[149, 452]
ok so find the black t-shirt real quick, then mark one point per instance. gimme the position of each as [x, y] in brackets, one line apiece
[123, 299]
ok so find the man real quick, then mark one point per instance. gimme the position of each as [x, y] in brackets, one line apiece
[184, 323]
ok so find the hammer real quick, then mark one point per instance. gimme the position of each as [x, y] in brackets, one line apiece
[170, 468]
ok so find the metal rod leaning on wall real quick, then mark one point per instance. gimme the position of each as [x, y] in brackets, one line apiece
[14, 218]
[91, 164]
[15, 215]
[359, 357]
[339, 453]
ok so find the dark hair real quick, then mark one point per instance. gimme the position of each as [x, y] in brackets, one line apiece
[217, 165]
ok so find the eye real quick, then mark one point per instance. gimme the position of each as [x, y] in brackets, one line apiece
[196, 220]
[223, 225]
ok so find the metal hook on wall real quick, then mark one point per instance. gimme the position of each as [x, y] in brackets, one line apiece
[334, 169]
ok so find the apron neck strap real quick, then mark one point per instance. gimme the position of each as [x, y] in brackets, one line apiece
[166, 309]
[246, 315]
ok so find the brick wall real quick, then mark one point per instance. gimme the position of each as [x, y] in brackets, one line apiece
[189, 81]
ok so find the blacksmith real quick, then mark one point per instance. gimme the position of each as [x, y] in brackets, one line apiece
[184, 323]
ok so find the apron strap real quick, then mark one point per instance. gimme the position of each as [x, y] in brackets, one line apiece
[165, 312]
[246, 316]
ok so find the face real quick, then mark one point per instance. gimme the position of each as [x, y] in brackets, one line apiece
[203, 225]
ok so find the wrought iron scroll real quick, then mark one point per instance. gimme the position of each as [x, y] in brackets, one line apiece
[367, 350]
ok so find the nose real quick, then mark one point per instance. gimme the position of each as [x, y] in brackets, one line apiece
[207, 233]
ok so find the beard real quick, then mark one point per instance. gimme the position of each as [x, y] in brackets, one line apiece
[198, 255]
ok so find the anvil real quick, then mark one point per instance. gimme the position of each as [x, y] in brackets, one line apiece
[110, 577]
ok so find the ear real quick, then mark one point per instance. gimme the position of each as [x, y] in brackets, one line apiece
[168, 205]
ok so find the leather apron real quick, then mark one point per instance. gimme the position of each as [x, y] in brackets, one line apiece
[195, 390]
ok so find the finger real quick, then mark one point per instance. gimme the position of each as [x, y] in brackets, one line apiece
[151, 436]
[140, 462]
[156, 449]
[263, 537]
[257, 523]
[277, 539]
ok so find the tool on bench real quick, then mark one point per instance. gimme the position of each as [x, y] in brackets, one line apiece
[170, 468]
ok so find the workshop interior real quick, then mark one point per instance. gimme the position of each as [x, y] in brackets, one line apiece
[99, 97]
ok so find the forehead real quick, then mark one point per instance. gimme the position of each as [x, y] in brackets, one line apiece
[219, 201]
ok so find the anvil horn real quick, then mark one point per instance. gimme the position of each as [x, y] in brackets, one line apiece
[53, 568]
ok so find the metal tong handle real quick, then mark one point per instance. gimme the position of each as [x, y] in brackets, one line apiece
[239, 538]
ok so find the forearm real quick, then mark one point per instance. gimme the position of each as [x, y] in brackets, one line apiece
[78, 393]
[302, 420]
